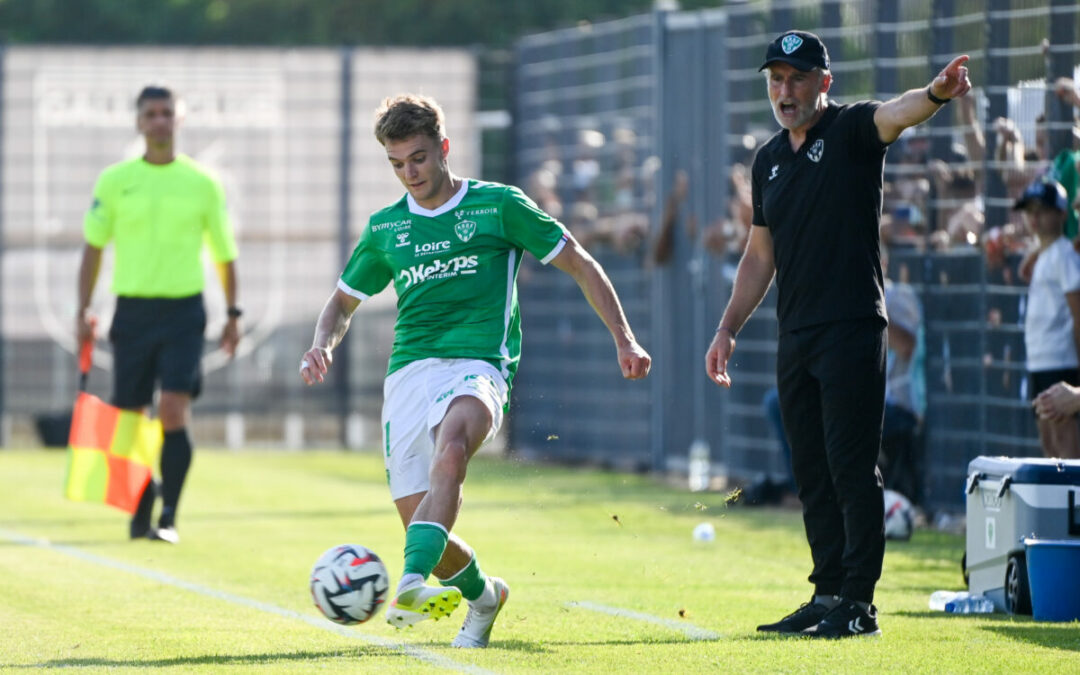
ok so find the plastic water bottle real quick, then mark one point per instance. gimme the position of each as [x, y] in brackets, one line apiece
[961, 602]
[970, 604]
[938, 599]
[699, 466]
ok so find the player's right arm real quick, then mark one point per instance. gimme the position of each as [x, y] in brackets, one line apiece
[756, 271]
[365, 274]
[331, 327]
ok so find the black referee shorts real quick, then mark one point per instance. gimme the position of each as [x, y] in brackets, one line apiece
[156, 341]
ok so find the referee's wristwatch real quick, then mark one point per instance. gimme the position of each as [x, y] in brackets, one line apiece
[234, 312]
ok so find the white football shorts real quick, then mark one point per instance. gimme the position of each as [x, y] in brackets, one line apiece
[415, 400]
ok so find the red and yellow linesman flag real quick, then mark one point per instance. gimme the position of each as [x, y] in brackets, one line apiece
[111, 452]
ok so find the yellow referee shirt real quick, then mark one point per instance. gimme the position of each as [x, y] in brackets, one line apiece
[159, 216]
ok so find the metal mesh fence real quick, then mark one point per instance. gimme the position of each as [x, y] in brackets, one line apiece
[947, 221]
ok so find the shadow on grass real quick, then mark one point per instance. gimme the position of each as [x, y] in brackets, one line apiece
[324, 514]
[541, 647]
[1052, 635]
[209, 660]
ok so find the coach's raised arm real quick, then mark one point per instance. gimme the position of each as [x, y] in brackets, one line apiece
[918, 105]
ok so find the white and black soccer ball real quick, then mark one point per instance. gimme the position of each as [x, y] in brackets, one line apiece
[899, 516]
[349, 584]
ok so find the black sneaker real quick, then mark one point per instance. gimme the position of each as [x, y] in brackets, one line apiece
[809, 614]
[140, 520]
[847, 620]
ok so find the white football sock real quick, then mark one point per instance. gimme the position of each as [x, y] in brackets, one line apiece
[408, 580]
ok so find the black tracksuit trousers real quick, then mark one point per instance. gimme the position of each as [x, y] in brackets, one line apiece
[831, 379]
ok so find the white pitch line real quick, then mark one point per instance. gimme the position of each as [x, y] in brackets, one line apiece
[688, 629]
[324, 624]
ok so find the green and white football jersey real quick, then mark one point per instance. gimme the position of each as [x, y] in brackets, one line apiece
[454, 269]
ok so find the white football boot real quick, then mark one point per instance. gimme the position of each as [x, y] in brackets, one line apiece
[476, 631]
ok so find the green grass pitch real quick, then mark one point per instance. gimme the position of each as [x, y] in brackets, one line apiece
[604, 575]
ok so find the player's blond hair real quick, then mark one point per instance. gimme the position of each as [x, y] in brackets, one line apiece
[406, 115]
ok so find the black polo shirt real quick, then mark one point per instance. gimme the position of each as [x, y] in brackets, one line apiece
[822, 206]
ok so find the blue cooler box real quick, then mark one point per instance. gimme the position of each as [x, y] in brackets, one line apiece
[1010, 499]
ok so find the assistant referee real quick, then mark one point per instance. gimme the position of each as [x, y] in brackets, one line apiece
[159, 210]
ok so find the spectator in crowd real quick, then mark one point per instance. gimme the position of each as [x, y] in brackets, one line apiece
[663, 246]
[1019, 164]
[901, 459]
[957, 209]
[906, 192]
[1052, 323]
[1060, 403]
[159, 210]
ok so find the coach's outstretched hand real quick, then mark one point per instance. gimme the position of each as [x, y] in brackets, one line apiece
[952, 82]
[634, 361]
[315, 364]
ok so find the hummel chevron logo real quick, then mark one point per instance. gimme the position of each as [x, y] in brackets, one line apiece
[854, 626]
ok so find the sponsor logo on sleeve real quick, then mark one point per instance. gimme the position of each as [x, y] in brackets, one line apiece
[395, 225]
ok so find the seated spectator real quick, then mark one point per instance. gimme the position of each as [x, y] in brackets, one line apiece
[901, 459]
[1052, 322]
[1060, 402]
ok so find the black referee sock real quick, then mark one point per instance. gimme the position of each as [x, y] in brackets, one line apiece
[175, 460]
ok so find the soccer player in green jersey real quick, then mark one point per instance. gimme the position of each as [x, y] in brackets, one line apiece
[158, 210]
[452, 247]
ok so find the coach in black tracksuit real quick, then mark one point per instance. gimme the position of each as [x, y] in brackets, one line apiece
[817, 206]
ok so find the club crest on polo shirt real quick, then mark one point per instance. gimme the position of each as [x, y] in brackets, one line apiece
[816, 150]
[790, 43]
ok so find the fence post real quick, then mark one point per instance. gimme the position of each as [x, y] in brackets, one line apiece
[783, 18]
[658, 283]
[996, 88]
[941, 52]
[831, 20]
[1060, 63]
[885, 48]
[3, 370]
[342, 352]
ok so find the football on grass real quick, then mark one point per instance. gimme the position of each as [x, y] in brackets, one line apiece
[349, 584]
[899, 516]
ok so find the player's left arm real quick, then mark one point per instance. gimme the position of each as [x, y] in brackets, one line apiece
[589, 275]
[915, 106]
